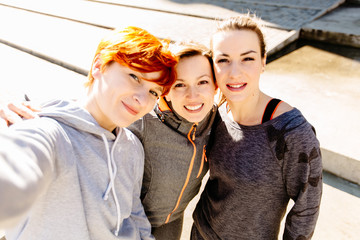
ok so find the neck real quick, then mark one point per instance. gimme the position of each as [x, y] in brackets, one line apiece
[249, 111]
[91, 105]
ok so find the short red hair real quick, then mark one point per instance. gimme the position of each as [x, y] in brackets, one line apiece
[139, 50]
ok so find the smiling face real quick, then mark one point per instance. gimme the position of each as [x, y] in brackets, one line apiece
[192, 95]
[120, 95]
[237, 63]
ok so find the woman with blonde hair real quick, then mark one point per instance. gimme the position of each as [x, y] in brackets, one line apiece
[264, 153]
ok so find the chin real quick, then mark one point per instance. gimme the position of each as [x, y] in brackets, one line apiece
[195, 119]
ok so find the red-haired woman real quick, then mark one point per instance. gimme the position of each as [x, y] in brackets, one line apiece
[67, 174]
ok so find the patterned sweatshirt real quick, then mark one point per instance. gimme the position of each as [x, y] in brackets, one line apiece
[254, 172]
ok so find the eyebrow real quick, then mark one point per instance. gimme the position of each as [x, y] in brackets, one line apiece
[204, 75]
[245, 53]
[242, 54]
[160, 89]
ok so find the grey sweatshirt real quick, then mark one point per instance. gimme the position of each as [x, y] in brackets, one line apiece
[254, 172]
[175, 161]
[62, 176]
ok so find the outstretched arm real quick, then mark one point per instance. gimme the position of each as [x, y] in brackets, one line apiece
[26, 169]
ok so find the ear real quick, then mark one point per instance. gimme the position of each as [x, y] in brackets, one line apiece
[167, 97]
[263, 63]
[96, 67]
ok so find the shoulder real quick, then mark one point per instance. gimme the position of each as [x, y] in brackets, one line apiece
[141, 126]
[282, 108]
[296, 128]
[131, 144]
[129, 138]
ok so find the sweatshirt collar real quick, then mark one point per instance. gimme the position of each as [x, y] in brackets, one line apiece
[167, 114]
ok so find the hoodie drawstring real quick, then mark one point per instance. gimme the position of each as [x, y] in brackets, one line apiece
[112, 174]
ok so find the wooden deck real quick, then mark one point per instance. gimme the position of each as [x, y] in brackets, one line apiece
[54, 30]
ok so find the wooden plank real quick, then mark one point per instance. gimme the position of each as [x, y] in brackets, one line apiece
[305, 4]
[50, 31]
[67, 42]
[282, 14]
[39, 79]
[342, 26]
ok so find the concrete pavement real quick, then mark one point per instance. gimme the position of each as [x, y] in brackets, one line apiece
[52, 42]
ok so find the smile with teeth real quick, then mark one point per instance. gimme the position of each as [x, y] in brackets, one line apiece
[194, 108]
[236, 85]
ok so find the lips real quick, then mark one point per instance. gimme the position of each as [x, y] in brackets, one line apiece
[236, 87]
[130, 109]
[194, 108]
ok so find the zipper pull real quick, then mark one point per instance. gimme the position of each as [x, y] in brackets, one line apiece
[204, 153]
[193, 135]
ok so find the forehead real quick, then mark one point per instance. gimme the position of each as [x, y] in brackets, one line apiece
[196, 66]
[234, 41]
[150, 75]
[193, 60]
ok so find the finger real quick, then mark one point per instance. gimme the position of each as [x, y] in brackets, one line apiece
[32, 106]
[22, 111]
[9, 116]
[3, 124]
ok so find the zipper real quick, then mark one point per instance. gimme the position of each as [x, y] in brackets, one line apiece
[202, 161]
[191, 138]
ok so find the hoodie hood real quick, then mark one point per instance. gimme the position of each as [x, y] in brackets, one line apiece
[73, 114]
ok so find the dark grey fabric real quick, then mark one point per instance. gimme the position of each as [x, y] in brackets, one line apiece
[254, 172]
[169, 231]
[168, 154]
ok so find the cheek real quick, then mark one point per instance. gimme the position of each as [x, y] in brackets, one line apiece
[177, 95]
[220, 79]
[149, 106]
[220, 73]
[210, 93]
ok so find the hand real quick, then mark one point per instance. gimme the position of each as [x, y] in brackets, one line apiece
[15, 112]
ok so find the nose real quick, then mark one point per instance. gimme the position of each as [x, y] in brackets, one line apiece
[235, 70]
[192, 92]
[142, 97]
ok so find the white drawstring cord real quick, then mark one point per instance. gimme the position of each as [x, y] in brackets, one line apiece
[113, 190]
[112, 173]
[106, 194]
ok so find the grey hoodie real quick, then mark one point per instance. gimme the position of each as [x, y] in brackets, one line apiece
[62, 176]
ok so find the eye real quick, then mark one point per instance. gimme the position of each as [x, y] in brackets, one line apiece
[154, 93]
[222, 60]
[179, 85]
[136, 78]
[249, 59]
[203, 82]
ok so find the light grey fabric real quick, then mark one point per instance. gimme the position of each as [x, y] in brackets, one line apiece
[55, 170]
